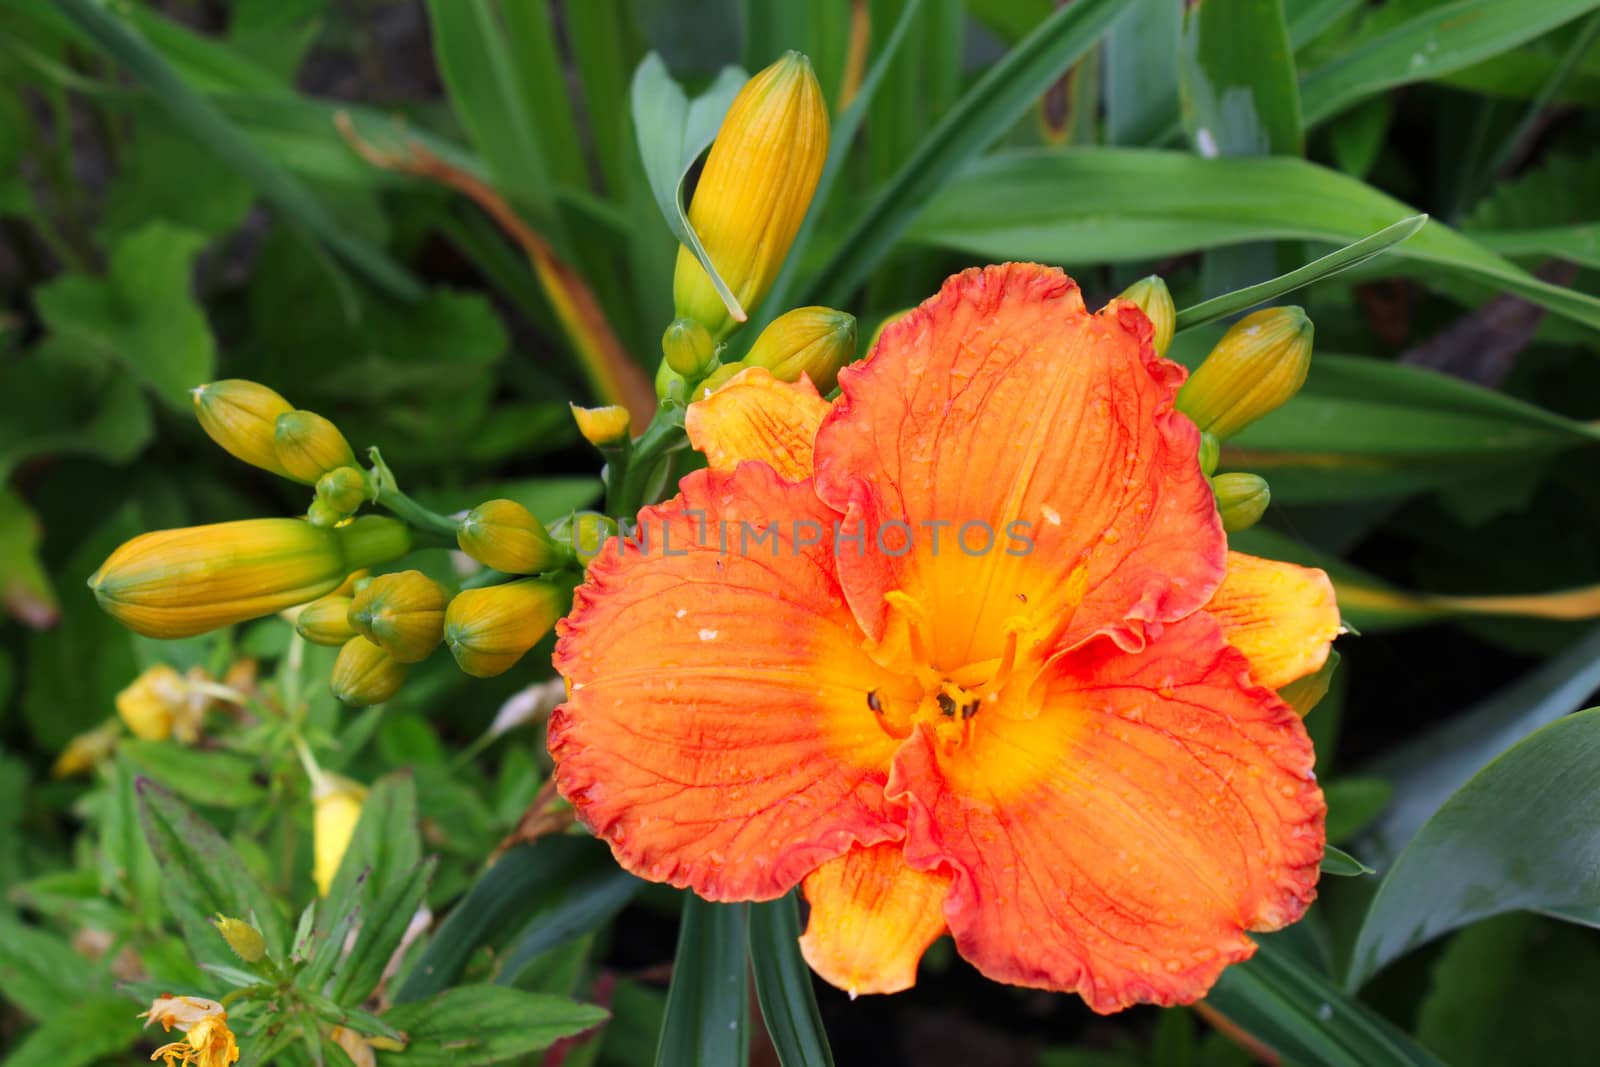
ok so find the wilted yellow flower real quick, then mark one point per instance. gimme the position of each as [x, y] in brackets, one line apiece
[688, 348]
[1241, 500]
[245, 940]
[504, 535]
[602, 427]
[401, 613]
[754, 191]
[814, 341]
[1258, 365]
[489, 629]
[355, 1046]
[161, 703]
[1153, 298]
[207, 1042]
[240, 416]
[325, 621]
[178, 583]
[87, 750]
[336, 808]
[310, 446]
[365, 674]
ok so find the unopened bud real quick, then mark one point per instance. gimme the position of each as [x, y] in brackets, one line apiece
[179, 583]
[814, 341]
[344, 489]
[240, 416]
[1241, 500]
[1153, 298]
[325, 621]
[402, 613]
[1258, 365]
[365, 674]
[589, 532]
[245, 940]
[687, 348]
[336, 808]
[718, 378]
[1210, 453]
[320, 513]
[758, 181]
[310, 446]
[489, 629]
[504, 535]
[602, 427]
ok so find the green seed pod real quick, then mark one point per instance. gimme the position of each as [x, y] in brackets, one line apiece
[489, 629]
[365, 674]
[504, 535]
[403, 614]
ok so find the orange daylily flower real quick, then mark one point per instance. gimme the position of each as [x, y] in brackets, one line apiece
[963, 652]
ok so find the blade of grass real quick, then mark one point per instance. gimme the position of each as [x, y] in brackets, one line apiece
[200, 119]
[708, 1004]
[1349, 256]
[981, 116]
[783, 985]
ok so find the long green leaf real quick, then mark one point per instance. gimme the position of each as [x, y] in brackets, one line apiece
[1279, 999]
[1350, 255]
[1440, 40]
[1131, 204]
[982, 114]
[1240, 97]
[200, 119]
[586, 900]
[708, 1004]
[1141, 71]
[783, 985]
[483, 1024]
[1524, 833]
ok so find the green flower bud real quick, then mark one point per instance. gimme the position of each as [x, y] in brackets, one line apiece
[1156, 302]
[1260, 363]
[245, 940]
[504, 535]
[1210, 453]
[589, 532]
[814, 341]
[1241, 500]
[344, 489]
[325, 621]
[402, 613]
[489, 629]
[688, 348]
[240, 416]
[365, 674]
[309, 446]
[321, 514]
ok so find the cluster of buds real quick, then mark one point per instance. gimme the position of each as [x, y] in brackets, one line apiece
[1257, 367]
[255, 424]
[757, 185]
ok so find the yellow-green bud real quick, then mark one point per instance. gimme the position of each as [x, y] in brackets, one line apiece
[1151, 294]
[669, 383]
[588, 533]
[245, 940]
[336, 808]
[365, 674]
[325, 621]
[814, 341]
[489, 629]
[602, 427]
[402, 613]
[753, 194]
[344, 489]
[179, 583]
[310, 446]
[1241, 500]
[718, 378]
[240, 416]
[320, 513]
[504, 535]
[688, 349]
[1260, 363]
[1210, 453]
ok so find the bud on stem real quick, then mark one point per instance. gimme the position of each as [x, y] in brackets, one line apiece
[1260, 363]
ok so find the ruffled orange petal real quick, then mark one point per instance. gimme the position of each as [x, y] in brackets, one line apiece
[1122, 841]
[872, 918]
[756, 416]
[1283, 617]
[717, 732]
[1045, 441]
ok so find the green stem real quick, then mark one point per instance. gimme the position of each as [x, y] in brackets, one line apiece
[664, 436]
[388, 494]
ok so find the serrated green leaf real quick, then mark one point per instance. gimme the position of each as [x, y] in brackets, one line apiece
[218, 779]
[382, 930]
[1511, 839]
[478, 1024]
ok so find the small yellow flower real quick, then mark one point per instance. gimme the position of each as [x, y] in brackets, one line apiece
[602, 427]
[1260, 363]
[207, 1040]
[336, 808]
[240, 416]
[814, 341]
[179, 583]
[754, 191]
[1153, 298]
[161, 703]
[87, 750]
